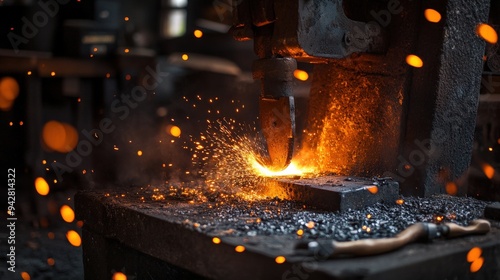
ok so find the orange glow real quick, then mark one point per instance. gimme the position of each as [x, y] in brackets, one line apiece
[488, 170]
[300, 232]
[174, 131]
[71, 137]
[74, 238]
[400, 202]
[9, 88]
[474, 254]
[280, 259]
[240, 249]
[490, 149]
[414, 61]
[51, 261]
[119, 276]
[451, 188]
[476, 265]
[126, 50]
[432, 15]
[52, 73]
[25, 275]
[127, 18]
[139, 153]
[487, 33]
[29, 73]
[291, 170]
[300, 75]
[60, 137]
[5, 105]
[41, 186]
[67, 214]
[198, 33]
[310, 224]
[372, 189]
[216, 240]
[185, 57]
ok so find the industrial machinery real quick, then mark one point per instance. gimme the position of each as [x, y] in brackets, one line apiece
[395, 87]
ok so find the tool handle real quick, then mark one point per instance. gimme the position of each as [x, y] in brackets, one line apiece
[367, 247]
[475, 227]
[414, 232]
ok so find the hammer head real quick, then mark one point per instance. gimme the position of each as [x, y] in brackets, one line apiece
[277, 116]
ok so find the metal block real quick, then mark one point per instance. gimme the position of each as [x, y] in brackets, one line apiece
[334, 193]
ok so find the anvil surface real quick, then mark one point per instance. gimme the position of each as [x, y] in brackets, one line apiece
[167, 233]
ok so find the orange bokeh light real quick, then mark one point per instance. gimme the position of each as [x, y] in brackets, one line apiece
[451, 188]
[240, 249]
[432, 15]
[25, 275]
[119, 276]
[488, 170]
[198, 33]
[280, 259]
[9, 90]
[41, 186]
[60, 137]
[216, 240]
[301, 75]
[474, 254]
[487, 33]
[372, 189]
[414, 61]
[476, 265]
[174, 130]
[67, 214]
[74, 238]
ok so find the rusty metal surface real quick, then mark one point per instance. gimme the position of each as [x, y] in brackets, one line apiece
[180, 233]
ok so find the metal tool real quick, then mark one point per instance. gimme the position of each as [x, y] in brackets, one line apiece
[277, 109]
[366, 247]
